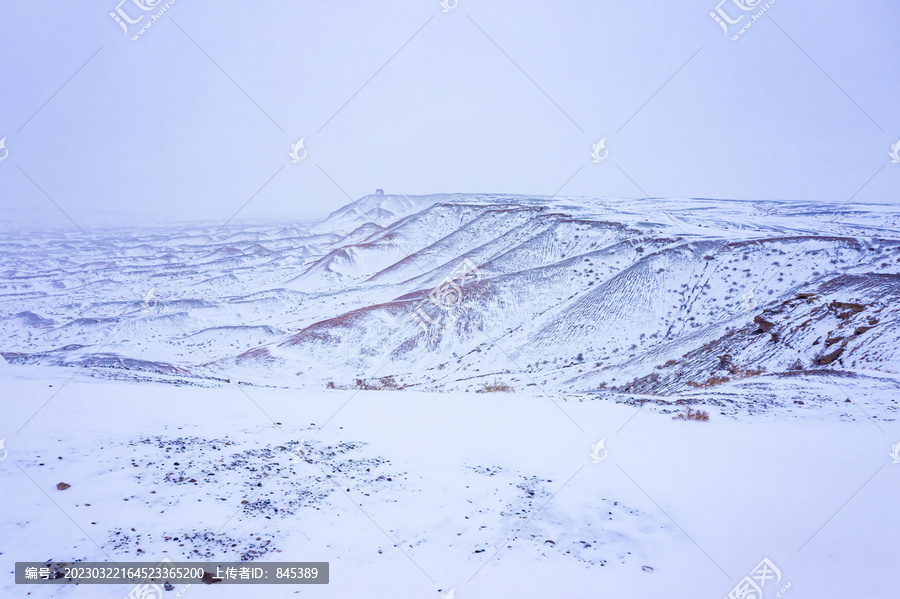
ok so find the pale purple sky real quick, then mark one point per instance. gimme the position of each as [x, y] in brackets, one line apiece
[494, 96]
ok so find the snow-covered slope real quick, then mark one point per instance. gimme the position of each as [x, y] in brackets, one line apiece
[342, 391]
[452, 291]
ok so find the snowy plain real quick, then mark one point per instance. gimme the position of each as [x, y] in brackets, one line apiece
[739, 490]
[275, 398]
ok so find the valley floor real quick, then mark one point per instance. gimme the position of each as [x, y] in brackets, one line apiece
[412, 494]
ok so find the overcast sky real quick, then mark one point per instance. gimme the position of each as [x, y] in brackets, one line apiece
[196, 118]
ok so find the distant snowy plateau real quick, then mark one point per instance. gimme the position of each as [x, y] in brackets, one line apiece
[414, 388]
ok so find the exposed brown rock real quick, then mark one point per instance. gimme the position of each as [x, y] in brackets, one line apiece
[764, 324]
[62, 486]
[829, 358]
[855, 308]
[833, 340]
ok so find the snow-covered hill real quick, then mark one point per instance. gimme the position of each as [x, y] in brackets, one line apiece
[452, 291]
[410, 389]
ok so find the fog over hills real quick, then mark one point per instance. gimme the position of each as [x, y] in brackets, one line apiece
[664, 300]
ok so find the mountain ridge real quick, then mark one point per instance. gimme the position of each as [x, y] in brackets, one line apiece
[441, 290]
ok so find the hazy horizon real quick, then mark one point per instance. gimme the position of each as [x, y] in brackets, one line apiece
[195, 120]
